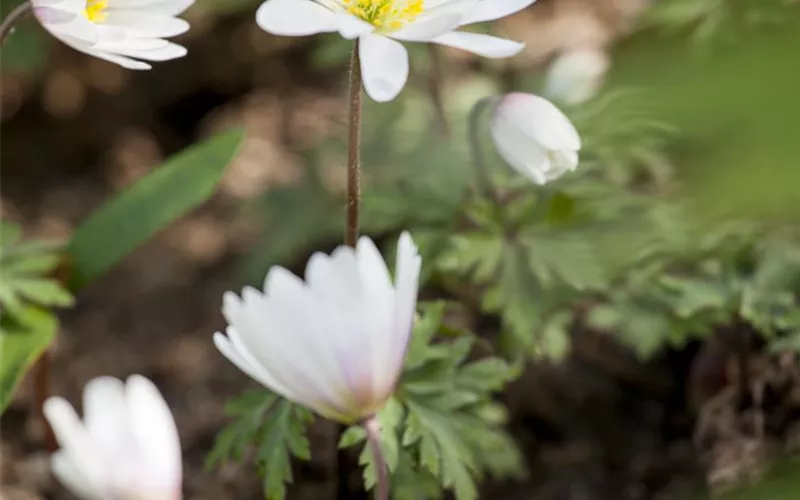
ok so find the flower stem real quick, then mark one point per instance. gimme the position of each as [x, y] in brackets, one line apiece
[373, 428]
[483, 178]
[8, 23]
[353, 151]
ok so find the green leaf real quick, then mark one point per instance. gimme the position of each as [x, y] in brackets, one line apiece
[443, 451]
[26, 269]
[275, 427]
[135, 215]
[282, 436]
[486, 375]
[21, 343]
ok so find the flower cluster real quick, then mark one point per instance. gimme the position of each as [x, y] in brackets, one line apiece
[335, 340]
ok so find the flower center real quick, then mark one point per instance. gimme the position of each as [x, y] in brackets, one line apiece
[96, 10]
[386, 14]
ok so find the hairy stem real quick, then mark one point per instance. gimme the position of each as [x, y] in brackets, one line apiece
[353, 151]
[482, 176]
[373, 429]
[11, 20]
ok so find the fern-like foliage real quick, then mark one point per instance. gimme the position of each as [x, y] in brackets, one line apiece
[271, 425]
[26, 268]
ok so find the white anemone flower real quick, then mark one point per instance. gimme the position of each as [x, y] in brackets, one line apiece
[119, 31]
[379, 24]
[576, 75]
[334, 343]
[534, 137]
[126, 447]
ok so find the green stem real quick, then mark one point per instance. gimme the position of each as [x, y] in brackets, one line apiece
[484, 180]
[11, 20]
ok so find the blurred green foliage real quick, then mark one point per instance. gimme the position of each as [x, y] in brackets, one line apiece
[29, 289]
[27, 293]
[138, 213]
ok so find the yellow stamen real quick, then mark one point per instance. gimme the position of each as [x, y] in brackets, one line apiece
[385, 14]
[96, 10]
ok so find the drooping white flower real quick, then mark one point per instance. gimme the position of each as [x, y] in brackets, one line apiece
[379, 24]
[334, 343]
[576, 75]
[126, 447]
[120, 31]
[534, 137]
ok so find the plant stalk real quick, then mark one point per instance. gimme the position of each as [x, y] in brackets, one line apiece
[435, 80]
[20, 12]
[353, 151]
[41, 390]
[484, 180]
[373, 428]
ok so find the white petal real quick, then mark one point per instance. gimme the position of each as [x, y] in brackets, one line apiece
[576, 75]
[477, 43]
[114, 45]
[525, 155]
[407, 269]
[76, 443]
[166, 7]
[155, 434]
[489, 10]
[272, 337]
[67, 26]
[71, 477]
[145, 24]
[104, 415]
[540, 120]
[162, 53]
[379, 313]
[384, 67]
[295, 18]
[76, 6]
[238, 354]
[428, 28]
[125, 62]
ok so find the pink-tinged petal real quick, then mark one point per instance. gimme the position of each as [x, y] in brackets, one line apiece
[490, 10]
[477, 43]
[427, 28]
[295, 18]
[384, 67]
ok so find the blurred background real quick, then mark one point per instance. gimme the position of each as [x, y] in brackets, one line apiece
[654, 292]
